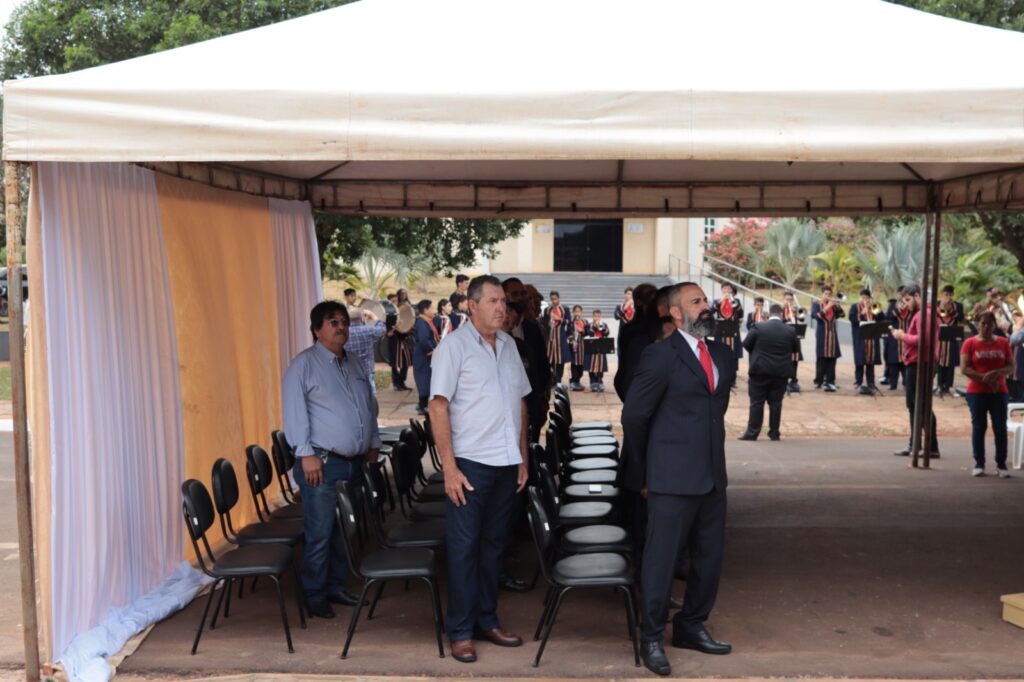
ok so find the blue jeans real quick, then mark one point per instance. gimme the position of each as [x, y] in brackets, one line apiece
[324, 568]
[982, 405]
[478, 534]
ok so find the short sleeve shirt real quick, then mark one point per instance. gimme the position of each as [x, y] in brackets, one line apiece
[986, 357]
[484, 387]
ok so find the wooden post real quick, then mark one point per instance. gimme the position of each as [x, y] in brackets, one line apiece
[23, 494]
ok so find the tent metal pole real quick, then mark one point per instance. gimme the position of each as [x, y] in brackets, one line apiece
[929, 431]
[922, 347]
[22, 489]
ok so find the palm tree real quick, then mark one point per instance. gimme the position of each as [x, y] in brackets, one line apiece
[836, 266]
[894, 259]
[790, 244]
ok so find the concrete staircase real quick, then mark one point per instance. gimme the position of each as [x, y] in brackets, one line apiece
[591, 290]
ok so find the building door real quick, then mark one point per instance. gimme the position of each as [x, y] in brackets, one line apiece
[588, 245]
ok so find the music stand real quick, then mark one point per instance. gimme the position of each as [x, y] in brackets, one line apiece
[801, 329]
[726, 328]
[953, 332]
[595, 346]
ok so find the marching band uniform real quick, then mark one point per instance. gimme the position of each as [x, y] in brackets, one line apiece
[443, 325]
[826, 343]
[400, 354]
[894, 367]
[790, 315]
[597, 363]
[578, 330]
[755, 316]
[866, 352]
[557, 319]
[426, 338]
[725, 309]
[949, 351]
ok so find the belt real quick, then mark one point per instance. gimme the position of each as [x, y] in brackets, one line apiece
[326, 454]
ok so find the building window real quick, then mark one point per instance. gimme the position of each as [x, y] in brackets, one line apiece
[709, 227]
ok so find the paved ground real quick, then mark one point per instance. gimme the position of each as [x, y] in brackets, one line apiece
[11, 643]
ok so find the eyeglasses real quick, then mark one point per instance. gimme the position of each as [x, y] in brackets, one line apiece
[337, 322]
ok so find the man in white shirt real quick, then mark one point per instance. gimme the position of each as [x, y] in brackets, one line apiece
[478, 414]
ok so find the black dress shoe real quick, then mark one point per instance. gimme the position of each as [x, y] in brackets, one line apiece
[700, 640]
[654, 658]
[775, 437]
[345, 598]
[320, 609]
[747, 436]
[510, 584]
[675, 603]
[794, 387]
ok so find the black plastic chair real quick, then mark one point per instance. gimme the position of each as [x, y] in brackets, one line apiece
[416, 448]
[271, 560]
[259, 473]
[284, 460]
[578, 571]
[572, 513]
[225, 497]
[403, 464]
[382, 565]
[435, 457]
[430, 534]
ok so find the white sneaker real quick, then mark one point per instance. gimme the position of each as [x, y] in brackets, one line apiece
[978, 471]
[1003, 473]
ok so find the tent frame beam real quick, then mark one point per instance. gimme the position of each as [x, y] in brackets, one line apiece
[22, 469]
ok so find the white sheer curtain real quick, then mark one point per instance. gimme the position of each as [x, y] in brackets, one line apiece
[299, 286]
[115, 411]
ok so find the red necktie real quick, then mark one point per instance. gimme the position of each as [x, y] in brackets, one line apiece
[705, 362]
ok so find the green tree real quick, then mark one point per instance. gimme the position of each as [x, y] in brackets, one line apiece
[45, 37]
[894, 258]
[789, 245]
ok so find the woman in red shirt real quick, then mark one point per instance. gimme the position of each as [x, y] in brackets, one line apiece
[987, 360]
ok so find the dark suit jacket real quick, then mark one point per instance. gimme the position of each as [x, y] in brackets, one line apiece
[771, 346]
[673, 420]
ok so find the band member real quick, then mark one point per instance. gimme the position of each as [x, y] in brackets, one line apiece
[995, 304]
[910, 338]
[770, 345]
[793, 314]
[674, 417]
[758, 314]
[556, 319]
[461, 287]
[866, 352]
[597, 363]
[729, 308]
[399, 349]
[899, 318]
[426, 339]
[460, 311]
[951, 314]
[826, 311]
[578, 330]
[443, 319]
[529, 329]
[624, 313]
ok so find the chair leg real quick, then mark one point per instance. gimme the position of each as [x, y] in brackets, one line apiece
[254, 579]
[220, 601]
[298, 597]
[550, 625]
[376, 598]
[241, 587]
[227, 599]
[536, 577]
[548, 601]
[202, 621]
[284, 614]
[387, 488]
[630, 619]
[435, 604]
[355, 617]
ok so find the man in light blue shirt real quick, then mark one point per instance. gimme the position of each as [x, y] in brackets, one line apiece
[330, 418]
[364, 332]
[478, 415]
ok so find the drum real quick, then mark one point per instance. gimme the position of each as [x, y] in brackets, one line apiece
[406, 319]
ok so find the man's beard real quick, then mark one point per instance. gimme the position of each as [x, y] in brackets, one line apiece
[703, 326]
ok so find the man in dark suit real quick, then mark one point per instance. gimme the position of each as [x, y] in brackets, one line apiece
[674, 416]
[771, 345]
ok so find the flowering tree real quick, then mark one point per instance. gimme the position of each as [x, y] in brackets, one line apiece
[733, 242]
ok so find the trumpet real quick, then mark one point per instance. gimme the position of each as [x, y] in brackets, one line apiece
[841, 297]
[801, 315]
[876, 308]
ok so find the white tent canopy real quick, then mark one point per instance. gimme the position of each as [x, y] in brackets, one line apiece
[653, 107]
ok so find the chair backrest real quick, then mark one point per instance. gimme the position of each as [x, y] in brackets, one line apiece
[348, 522]
[197, 508]
[414, 450]
[540, 529]
[561, 390]
[284, 460]
[421, 435]
[537, 457]
[259, 473]
[553, 449]
[405, 475]
[225, 494]
[549, 492]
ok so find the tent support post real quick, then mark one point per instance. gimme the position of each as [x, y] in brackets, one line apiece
[26, 553]
[930, 362]
[922, 344]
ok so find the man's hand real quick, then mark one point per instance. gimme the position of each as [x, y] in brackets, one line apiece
[522, 476]
[313, 470]
[454, 482]
[372, 454]
[898, 334]
[369, 316]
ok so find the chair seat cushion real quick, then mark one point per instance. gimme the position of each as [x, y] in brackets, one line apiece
[590, 463]
[425, 534]
[590, 433]
[289, 511]
[594, 440]
[429, 510]
[436, 477]
[594, 476]
[593, 569]
[584, 510]
[583, 426]
[254, 560]
[594, 451]
[398, 563]
[583, 491]
[596, 538]
[288, 532]
[432, 492]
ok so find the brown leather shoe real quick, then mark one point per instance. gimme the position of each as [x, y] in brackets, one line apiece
[501, 637]
[464, 651]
